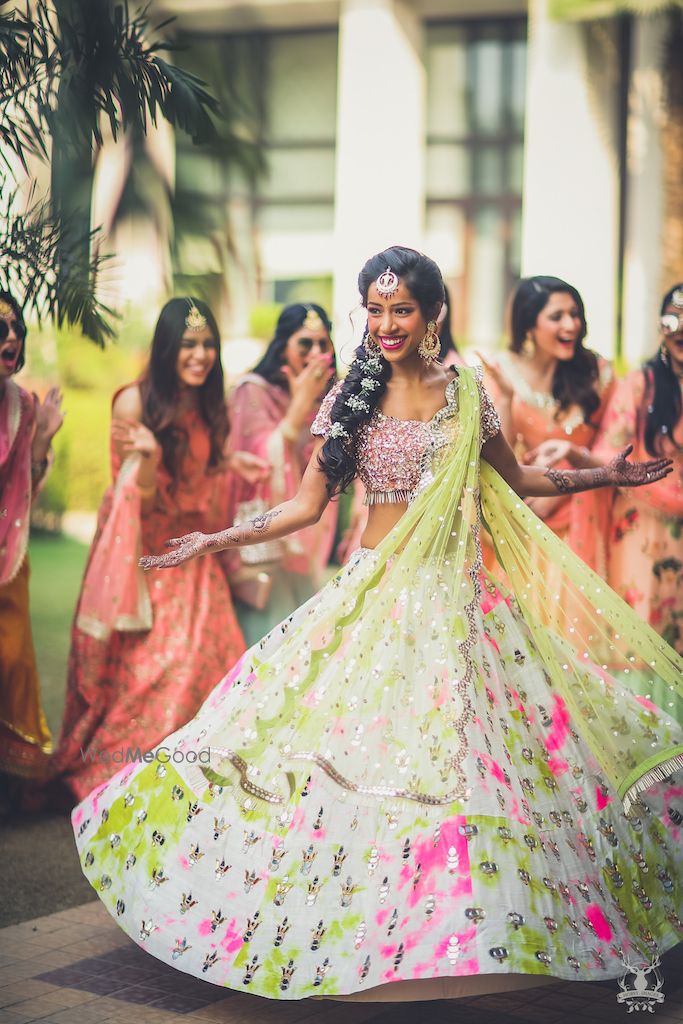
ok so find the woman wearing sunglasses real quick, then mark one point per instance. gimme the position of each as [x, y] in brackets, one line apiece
[27, 427]
[271, 411]
[645, 564]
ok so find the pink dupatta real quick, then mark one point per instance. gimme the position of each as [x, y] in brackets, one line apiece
[256, 410]
[16, 434]
[114, 594]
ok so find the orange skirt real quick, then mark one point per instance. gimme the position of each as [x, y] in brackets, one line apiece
[25, 741]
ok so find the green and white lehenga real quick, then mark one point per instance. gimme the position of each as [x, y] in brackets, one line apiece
[419, 777]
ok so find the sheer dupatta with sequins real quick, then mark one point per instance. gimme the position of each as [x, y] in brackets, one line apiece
[376, 679]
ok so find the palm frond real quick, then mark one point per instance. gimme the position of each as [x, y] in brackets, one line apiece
[29, 246]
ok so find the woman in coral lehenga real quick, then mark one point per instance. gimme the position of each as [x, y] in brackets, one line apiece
[551, 394]
[143, 658]
[645, 559]
[402, 796]
[26, 431]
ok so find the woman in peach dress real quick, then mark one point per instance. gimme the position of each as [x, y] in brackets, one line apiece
[645, 560]
[551, 394]
[144, 656]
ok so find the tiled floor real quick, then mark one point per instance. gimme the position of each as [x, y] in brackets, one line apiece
[77, 967]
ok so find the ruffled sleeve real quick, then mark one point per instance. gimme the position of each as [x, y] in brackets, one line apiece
[489, 418]
[322, 423]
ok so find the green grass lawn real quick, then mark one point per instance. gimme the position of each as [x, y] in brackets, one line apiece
[57, 565]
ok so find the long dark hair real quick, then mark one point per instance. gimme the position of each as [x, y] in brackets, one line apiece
[422, 277]
[160, 388]
[574, 381]
[18, 312]
[290, 320]
[445, 333]
[664, 405]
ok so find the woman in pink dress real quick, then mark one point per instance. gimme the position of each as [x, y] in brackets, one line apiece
[27, 427]
[551, 394]
[645, 560]
[144, 656]
[271, 412]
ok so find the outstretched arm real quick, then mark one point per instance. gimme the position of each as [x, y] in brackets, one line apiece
[304, 509]
[541, 482]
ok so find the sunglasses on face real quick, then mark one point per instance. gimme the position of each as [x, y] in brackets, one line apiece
[670, 323]
[17, 326]
[306, 344]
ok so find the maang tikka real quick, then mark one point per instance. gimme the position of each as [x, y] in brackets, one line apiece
[194, 321]
[387, 284]
[313, 321]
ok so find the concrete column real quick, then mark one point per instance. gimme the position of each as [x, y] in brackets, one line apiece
[139, 278]
[642, 257]
[380, 143]
[571, 182]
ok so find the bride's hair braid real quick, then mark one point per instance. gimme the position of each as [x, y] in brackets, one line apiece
[337, 458]
[367, 378]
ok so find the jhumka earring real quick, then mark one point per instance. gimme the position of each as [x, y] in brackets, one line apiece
[430, 346]
[528, 347]
[371, 346]
[664, 354]
[194, 321]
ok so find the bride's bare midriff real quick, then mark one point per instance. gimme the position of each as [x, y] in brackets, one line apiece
[381, 520]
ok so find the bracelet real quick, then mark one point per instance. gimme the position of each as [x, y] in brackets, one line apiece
[38, 469]
[146, 492]
[289, 432]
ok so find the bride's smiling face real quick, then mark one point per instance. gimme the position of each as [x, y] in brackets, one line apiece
[397, 322]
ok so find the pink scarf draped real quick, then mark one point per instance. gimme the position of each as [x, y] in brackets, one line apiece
[17, 421]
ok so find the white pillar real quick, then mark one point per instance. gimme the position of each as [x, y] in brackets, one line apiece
[571, 183]
[642, 258]
[139, 277]
[380, 143]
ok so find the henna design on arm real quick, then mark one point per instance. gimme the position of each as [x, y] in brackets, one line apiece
[617, 473]
[245, 533]
[569, 481]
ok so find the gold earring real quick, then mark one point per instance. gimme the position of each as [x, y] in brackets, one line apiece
[430, 346]
[371, 346]
[528, 347]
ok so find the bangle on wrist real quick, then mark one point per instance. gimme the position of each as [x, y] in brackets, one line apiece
[289, 432]
[38, 469]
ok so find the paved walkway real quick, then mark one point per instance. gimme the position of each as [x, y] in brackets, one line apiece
[78, 967]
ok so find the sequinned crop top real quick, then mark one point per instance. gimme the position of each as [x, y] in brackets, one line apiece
[389, 451]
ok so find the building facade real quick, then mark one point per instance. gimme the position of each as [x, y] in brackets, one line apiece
[495, 138]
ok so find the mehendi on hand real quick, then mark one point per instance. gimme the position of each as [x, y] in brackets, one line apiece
[617, 473]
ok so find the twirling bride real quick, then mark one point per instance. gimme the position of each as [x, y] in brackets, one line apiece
[423, 783]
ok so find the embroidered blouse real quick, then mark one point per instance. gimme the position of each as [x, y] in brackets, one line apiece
[390, 451]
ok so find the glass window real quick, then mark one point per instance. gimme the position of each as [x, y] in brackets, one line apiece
[448, 171]
[476, 80]
[286, 87]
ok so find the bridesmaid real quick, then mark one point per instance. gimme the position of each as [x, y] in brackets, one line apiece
[27, 427]
[271, 412]
[145, 655]
[645, 562]
[551, 393]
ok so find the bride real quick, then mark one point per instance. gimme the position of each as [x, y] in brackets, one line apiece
[422, 780]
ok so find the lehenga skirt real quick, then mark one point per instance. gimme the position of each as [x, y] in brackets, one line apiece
[286, 842]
